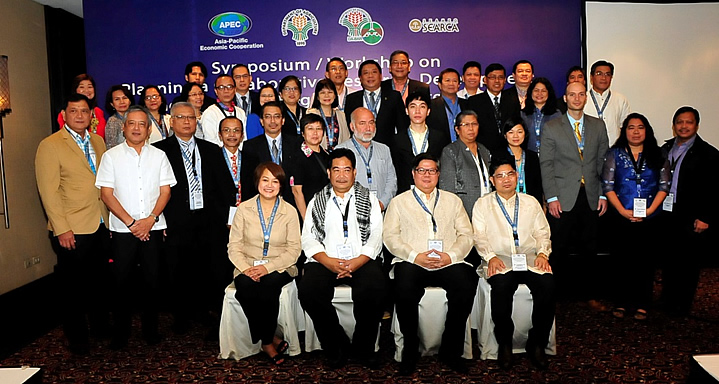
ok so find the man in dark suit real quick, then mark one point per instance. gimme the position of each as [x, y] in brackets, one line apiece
[523, 73]
[447, 105]
[385, 104]
[690, 209]
[196, 215]
[272, 146]
[571, 160]
[248, 100]
[400, 67]
[493, 107]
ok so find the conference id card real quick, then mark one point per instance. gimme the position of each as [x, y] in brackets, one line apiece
[259, 262]
[668, 204]
[374, 193]
[640, 207]
[196, 201]
[231, 217]
[519, 262]
[345, 252]
[436, 245]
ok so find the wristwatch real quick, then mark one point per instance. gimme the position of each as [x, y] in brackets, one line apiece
[157, 218]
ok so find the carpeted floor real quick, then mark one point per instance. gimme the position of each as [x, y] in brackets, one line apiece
[592, 348]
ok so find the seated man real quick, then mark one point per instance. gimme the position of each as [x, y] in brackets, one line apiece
[429, 232]
[342, 237]
[516, 245]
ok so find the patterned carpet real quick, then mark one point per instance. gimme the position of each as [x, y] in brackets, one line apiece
[592, 348]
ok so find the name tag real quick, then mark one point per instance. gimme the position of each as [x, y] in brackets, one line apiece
[231, 217]
[640, 207]
[436, 245]
[374, 193]
[196, 201]
[668, 202]
[259, 262]
[519, 262]
[345, 252]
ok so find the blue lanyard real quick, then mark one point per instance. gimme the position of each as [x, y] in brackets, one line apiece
[294, 120]
[600, 112]
[331, 143]
[424, 143]
[404, 87]
[538, 118]
[344, 100]
[160, 125]
[277, 159]
[365, 160]
[372, 108]
[516, 217]
[194, 168]
[267, 230]
[521, 186]
[421, 204]
[235, 177]
[580, 144]
[638, 170]
[345, 215]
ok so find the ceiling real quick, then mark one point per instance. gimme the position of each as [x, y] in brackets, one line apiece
[72, 6]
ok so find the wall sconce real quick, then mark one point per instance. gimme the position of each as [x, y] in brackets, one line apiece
[4, 110]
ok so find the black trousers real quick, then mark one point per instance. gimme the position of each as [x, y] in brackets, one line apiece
[576, 232]
[81, 273]
[261, 303]
[460, 283]
[316, 291]
[128, 252]
[543, 307]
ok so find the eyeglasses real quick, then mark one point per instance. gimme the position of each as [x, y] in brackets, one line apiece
[185, 117]
[152, 97]
[603, 74]
[494, 78]
[425, 171]
[290, 89]
[337, 69]
[473, 124]
[401, 63]
[195, 94]
[231, 130]
[225, 87]
[272, 117]
[504, 175]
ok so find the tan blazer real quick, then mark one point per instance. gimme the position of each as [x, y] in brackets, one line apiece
[67, 185]
[246, 238]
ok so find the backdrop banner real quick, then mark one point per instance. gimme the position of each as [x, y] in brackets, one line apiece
[135, 43]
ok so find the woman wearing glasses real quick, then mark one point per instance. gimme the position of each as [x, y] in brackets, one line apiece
[152, 98]
[326, 105]
[291, 92]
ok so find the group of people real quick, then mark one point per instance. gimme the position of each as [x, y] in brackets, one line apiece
[255, 188]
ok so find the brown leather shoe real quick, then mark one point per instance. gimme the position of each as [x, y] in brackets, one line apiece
[597, 306]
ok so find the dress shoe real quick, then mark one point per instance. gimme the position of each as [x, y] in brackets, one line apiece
[408, 364]
[456, 364]
[370, 361]
[537, 356]
[337, 360]
[505, 356]
[597, 306]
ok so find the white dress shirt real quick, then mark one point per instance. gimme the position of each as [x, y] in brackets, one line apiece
[615, 112]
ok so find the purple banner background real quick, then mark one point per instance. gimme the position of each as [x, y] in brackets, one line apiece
[140, 42]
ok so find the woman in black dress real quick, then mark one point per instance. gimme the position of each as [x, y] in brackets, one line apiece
[308, 174]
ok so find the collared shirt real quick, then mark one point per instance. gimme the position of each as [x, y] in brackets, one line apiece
[377, 99]
[676, 157]
[384, 177]
[81, 142]
[280, 148]
[210, 122]
[238, 99]
[572, 121]
[451, 110]
[493, 234]
[136, 180]
[238, 160]
[614, 113]
[334, 235]
[418, 138]
[463, 94]
[197, 161]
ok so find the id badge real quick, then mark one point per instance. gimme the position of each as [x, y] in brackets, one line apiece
[519, 262]
[259, 262]
[437, 245]
[640, 207]
[345, 252]
[231, 217]
[197, 202]
[374, 193]
[668, 202]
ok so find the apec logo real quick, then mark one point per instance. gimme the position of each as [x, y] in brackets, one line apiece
[230, 24]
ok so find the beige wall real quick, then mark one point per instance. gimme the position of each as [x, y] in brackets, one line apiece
[22, 39]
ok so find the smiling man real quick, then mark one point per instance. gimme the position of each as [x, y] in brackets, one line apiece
[224, 107]
[400, 67]
[523, 73]
[447, 105]
[603, 103]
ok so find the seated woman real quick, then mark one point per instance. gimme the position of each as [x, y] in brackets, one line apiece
[538, 109]
[254, 127]
[326, 105]
[84, 84]
[308, 174]
[529, 177]
[635, 180]
[154, 100]
[117, 101]
[264, 246]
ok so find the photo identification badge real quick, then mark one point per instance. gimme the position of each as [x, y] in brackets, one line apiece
[519, 262]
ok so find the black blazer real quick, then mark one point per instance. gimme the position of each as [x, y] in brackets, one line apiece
[402, 155]
[390, 118]
[437, 118]
[217, 187]
[256, 151]
[289, 128]
[254, 102]
[483, 106]
[414, 86]
[532, 172]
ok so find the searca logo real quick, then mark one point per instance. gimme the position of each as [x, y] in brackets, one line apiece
[230, 24]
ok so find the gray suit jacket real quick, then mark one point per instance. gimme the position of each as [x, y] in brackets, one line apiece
[458, 173]
[562, 168]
